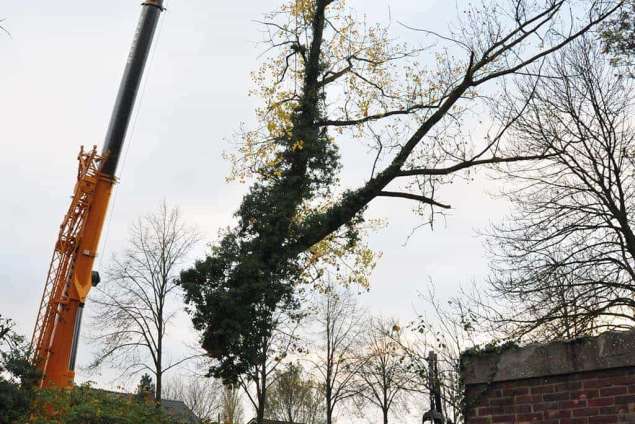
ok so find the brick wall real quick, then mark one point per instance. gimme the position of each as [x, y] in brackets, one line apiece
[604, 396]
[588, 381]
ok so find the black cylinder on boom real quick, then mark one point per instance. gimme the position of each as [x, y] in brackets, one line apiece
[130, 85]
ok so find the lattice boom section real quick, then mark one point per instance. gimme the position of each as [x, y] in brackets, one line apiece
[63, 259]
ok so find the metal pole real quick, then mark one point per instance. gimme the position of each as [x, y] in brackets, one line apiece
[129, 86]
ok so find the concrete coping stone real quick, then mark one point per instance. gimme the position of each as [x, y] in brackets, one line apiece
[608, 350]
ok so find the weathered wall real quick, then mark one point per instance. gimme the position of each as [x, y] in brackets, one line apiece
[585, 381]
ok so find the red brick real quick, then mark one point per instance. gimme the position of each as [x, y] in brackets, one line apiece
[586, 412]
[581, 420]
[545, 405]
[530, 417]
[556, 396]
[612, 391]
[521, 409]
[622, 400]
[602, 401]
[516, 391]
[559, 413]
[570, 404]
[608, 410]
[502, 401]
[528, 399]
[543, 389]
[504, 419]
[603, 420]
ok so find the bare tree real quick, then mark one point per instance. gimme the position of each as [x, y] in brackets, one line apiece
[204, 397]
[232, 405]
[294, 398]
[564, 262]
[339, 321]
[258, 377]
[383, 375]
[139, 299]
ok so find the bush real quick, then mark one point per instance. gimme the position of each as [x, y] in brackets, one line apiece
[86, 405]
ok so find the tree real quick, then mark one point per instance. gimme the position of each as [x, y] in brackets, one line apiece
[329, 78]
[146, 388]
[203, 397]
[618, 35]
[383, 375]
[18, 376]
[442, 333]
[294, 398]
[232, 405]
[261, 374]
[138, 301]
[339, 326]
[564, 260]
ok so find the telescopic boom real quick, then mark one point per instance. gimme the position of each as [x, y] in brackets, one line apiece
[71, 276]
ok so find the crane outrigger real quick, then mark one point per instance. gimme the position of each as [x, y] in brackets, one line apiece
[71, 276]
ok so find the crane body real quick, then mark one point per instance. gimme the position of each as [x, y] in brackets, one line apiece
[71, 276]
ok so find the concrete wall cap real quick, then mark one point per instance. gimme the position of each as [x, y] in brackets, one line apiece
[608, 350]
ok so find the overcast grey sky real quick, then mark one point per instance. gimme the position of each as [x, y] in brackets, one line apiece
[59, 75]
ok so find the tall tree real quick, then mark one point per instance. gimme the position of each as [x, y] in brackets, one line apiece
[565, 260]
[294, 398]
[330, 78]
[339, 327]
[139, 299]
[257, 379]
[202, 396]
[232, 405]
[383, 375]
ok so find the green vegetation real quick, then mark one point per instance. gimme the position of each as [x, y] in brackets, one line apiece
[21, 402]
[85, 405]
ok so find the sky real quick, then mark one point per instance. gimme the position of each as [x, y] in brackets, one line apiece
[60, 70]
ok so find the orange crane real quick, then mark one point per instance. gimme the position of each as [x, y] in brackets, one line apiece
[71, 276]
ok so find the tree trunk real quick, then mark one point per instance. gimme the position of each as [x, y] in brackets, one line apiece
[157, 395]
[329, 411]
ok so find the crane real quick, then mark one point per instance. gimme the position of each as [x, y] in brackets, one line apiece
[70, 275]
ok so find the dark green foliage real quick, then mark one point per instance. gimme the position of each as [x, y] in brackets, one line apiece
[251, 273]
[619, 37]
[17, 375]
[146, 388]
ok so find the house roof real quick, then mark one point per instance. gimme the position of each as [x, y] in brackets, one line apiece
[180, 411]
[174, 408]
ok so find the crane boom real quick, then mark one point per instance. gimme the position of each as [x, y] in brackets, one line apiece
[71, 276]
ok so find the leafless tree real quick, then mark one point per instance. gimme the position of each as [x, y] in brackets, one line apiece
[272, 352]
[139, 299]
[383, 375]
[232, 405]
[447, 329]
[295, 398]
[204, 397]
[564, 261]
[339, 328]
